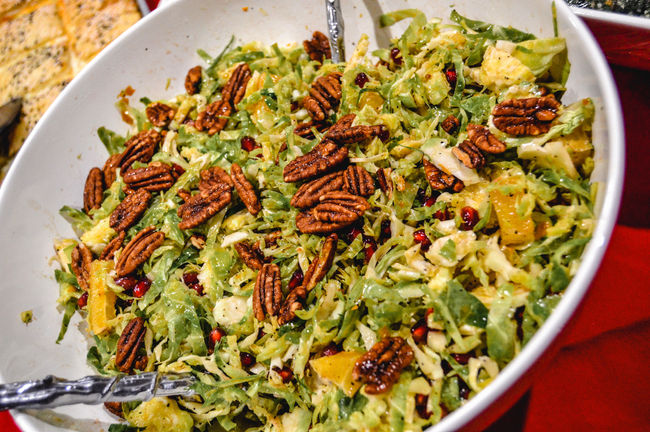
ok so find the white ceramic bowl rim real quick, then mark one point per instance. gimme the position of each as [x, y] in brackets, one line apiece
[579, 285]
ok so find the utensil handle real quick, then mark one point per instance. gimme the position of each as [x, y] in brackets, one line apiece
[91, 390]
[336, 29]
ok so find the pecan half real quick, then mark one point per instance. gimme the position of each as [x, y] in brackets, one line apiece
[202, 206]
[81, 258]
[94, 190]
[159, 114]
[340, 207]
[139, 147]
[235, 88]
[245, 190]
[382, 365]
[324, 95]
[482, 138]
[385, 181]
[439, 180]
[267, 294]
[193, 80]
[304, 129]
[252, 256]
[127, 213]
[214, 117]
[111, 164]
[308, 224]
[318, 48]
[315, 273]
[309, 193]
[342, 124]
[213, 176]
[109, 251]
[469, 155]
[138, 250]
[130, 341]
[531, 116]
[325, 157]
[156, 176]
[450, 124]
[358, 181]
[355, 134]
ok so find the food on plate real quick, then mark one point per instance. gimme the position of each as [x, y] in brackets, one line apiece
[352, 246]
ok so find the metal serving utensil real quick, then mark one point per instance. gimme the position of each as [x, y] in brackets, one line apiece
[52, 392]
[335, 29]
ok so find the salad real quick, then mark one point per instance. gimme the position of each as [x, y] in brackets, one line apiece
[334, 246]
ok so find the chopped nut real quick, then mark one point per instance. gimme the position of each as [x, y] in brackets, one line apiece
[81, 258]
[324, 95]
[382, 365]
[198, 241]
[358, 181]
[138, 250]
[159, 114]
[439, 180]
[531, 116]
[450, 124]
[193, 80]
[323, 158]
[156, 176]
[139, 147]
[235, 88]
[245, 190]
[267, 294]
[252, 256]
[214, 117]
[94, 190]
[127, 213]
[469, 155]
[340, 207]
[305, 129]
[213, 176]
[318, 48]
[113, 246]
[309, 193]
[483, 139]
[202, 206]
[130, 341]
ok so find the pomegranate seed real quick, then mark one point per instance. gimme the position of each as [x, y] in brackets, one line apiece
[216, 334]
[249, 144]
[442, 215]
[461, 358]
[385, 233]
[429, 201]
[352, 233]
[469, 216]
[361, 79]
[126, 282]
[421, 237]
[294, 105]
[419, 331]
[198, 288]
[330, 349]
[370, 247]
[296, 279]
[420, 195]
[421, 405]
[141, 288]
[427, 313]
[83, 300]
[190, 278]
[285, 373]
[396, 55]
[247, 359]
[451, 77]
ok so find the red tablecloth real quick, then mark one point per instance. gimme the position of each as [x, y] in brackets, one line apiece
[598, 380]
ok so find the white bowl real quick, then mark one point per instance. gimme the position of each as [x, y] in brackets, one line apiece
[51, 168]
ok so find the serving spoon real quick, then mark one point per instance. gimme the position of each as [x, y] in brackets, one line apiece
[335, 29]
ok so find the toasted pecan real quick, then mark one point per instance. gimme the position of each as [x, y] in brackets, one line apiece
[129, 343]
[318, 48]
[382, 365]
[251, 255]
[309, 193]
[113, 246]
[202, 206]
[245, 190]
[358, 181]
[531, 116]
[159, 114]
[267, 294]
[138, 250]
[81, 258]
[323, 158]
[193, 80]
[155, 177]
[127, 213]
[439, 180]
[94, 190]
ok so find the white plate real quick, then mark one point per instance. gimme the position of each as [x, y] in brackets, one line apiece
[51, 168]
